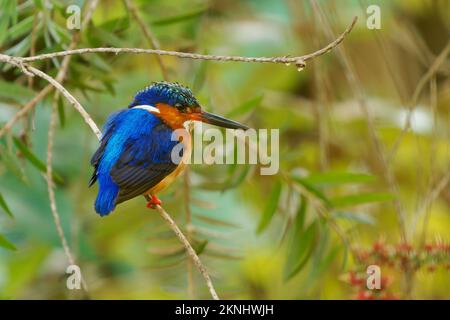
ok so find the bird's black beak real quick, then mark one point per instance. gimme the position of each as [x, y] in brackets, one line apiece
[220, 121]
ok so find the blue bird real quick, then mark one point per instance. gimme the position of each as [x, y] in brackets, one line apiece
[135, 153]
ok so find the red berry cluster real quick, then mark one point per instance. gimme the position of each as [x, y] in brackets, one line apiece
[405, 257]
[402, 257]
[358, 281]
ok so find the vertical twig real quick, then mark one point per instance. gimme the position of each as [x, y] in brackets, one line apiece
[151, 39]
[52, 125]
[51, 192]
[360, 97]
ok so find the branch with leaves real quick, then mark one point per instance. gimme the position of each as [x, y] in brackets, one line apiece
[24, 64]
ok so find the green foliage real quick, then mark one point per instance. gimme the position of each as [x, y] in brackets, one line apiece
[271, 206]
[5, 243]
[4, 206]
[353, 200]
[179, 18]
[34, 160]
[330, 175]
[301, 245]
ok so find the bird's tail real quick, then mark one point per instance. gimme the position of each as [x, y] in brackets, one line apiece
[106, 198]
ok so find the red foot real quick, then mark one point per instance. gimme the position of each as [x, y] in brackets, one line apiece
[153, 201]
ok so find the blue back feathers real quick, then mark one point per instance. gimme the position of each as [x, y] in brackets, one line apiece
[134, 133]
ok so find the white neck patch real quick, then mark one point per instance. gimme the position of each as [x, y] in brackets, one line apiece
[147, 107]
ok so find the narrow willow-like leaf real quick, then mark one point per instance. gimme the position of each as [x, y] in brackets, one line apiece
[5, 206]
[221, 255]
[15, 92]
[271, 207]
[323, 265]
[215, 221]
[23, 27]
[300, 249]
[179, 18]
[61, 112]
[301, 214]
[5, 243]
[245, 107]
[199, 246]
[359, 217]
[337, 178]
[236, 179]
[345, 255]
[358, 199]
[34, 160]
[312, 189]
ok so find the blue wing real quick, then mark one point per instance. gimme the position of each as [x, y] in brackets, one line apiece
[134, 155]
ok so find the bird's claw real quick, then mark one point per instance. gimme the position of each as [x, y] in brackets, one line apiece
[153, 201]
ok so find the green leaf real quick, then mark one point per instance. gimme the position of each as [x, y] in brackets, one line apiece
[61, 113]
[4, 22]
[358, 199]
[34, 160]
[23, 27]
[5, 17]
[13, 166]
[116, 25]
[301, 247]
[271, 207]
[246, 106]
[5, 206]
[337, 178]
[301, 214]
[179, 18]
[345, 255]
[15, 92]
[214, 221]
[312, 189]
[199, 246]
[4, 243]
[21, 48]
[324, 264]
[235, 180]
[221, 255]
[360, 217]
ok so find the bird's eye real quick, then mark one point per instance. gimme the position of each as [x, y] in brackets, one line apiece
[178, 106]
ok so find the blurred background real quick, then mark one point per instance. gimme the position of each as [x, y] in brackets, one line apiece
[356, 185]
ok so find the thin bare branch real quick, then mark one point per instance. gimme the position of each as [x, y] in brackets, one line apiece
[298, 61]
[30, 71]
[359, 93]
[440, 59]
[423, 210]
[190, 251]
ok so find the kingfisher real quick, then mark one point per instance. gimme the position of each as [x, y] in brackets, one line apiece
[135, 153]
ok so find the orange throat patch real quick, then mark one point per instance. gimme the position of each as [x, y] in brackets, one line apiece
[171, 116]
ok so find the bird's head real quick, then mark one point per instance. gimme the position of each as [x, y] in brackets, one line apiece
[176, 104]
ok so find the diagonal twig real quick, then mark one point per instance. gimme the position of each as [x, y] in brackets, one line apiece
[193, 255]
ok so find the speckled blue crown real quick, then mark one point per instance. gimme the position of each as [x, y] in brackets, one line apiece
[165, 92]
